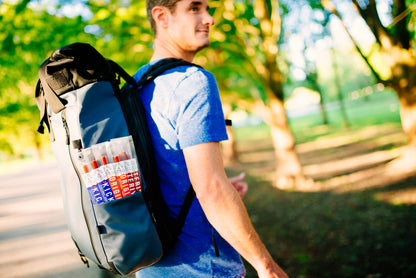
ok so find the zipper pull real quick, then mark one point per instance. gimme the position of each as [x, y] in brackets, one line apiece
[217, 251]
[65, 124]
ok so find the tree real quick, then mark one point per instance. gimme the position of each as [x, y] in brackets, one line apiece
[246, 37]
[122, 32]
[30, 31]
[395, 43]
[26, 38]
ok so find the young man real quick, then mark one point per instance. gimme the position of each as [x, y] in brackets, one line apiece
[186, 121]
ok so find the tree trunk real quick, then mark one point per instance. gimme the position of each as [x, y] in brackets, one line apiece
[339, 91]
[312, 76]
[288, 168]
[408, 119]
[289, 173]
[323, 110]
[229, 147]
[403, 81]
[38, 147]
[401, 60]
[316, 87]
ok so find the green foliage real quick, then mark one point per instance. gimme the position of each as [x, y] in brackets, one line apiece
[30, 31]
[29, 34]
[238, 54]
[122, 32]
[412, 19]
[236, 26]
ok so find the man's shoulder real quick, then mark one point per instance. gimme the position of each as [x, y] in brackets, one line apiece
[191, 74]
[185, 77]
[189, 77]
[188, 70]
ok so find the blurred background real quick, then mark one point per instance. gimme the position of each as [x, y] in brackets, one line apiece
[322, 95]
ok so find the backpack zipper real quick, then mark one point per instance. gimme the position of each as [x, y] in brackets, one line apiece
[217, 251]
[65, 124]
[66, 127]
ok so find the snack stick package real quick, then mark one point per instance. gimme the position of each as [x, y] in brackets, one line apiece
[124, 147]
[123, 157]
[102, 181]
[130, 176]
[121, 176]
[112, 178]
[109, 184]
[89, 181]
[121, 148]
[135, 165]
[118, 169]
[134, 171]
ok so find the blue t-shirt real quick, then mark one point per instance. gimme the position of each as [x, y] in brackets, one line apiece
[183, 108]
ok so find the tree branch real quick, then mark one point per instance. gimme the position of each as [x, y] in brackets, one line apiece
[328, 5]
[370, 15]
[402, 34]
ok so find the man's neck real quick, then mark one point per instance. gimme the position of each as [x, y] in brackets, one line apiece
[163, 50]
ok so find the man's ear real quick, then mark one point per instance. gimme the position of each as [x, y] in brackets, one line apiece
[160, 16]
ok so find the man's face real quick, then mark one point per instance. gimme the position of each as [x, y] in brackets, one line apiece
[189, 24]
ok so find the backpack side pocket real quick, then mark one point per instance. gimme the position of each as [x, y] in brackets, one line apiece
[128, 233]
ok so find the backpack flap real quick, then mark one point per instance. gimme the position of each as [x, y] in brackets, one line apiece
[69, 68]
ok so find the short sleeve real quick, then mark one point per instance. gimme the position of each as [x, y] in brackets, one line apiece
[200, 116]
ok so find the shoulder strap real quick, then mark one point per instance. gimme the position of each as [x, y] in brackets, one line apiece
[154, 71]
[41, 103]
[160, 67]
[186, 206]
[122, 73]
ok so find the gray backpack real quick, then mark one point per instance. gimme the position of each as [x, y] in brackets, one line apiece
[112, 200]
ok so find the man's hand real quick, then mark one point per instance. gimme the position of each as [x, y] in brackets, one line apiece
[239, 184]
[273, 271]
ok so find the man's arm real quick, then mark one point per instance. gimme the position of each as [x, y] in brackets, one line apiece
[224, 208]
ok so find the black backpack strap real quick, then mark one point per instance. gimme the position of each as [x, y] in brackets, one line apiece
[162, 66]
[41, 103]
[154, 71]
[186, 206]
[122, 73]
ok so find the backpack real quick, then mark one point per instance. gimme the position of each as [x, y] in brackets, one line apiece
[98, 131]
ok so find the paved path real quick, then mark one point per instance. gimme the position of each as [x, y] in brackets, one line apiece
[34, 240]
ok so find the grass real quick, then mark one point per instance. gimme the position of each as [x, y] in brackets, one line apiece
[376, 109]
[347, 230]
[324, 234]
